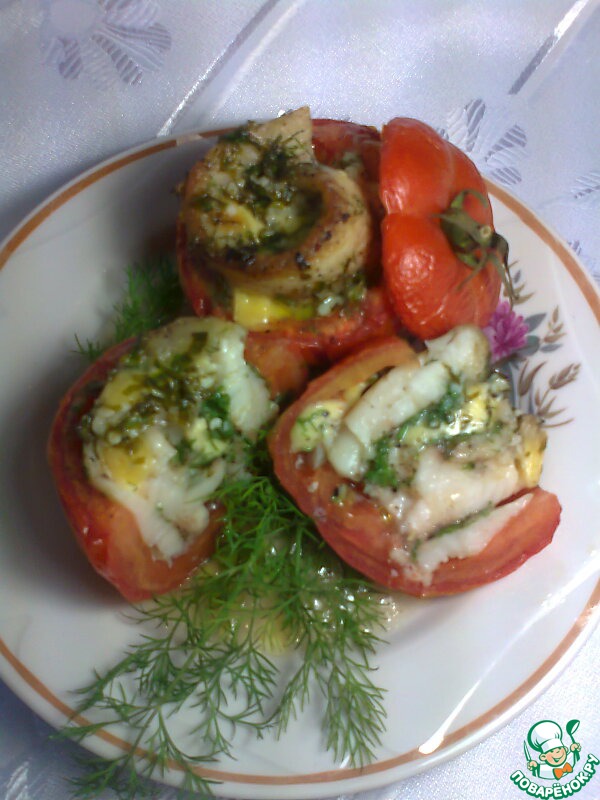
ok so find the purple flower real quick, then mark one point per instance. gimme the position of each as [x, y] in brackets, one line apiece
[506, 331]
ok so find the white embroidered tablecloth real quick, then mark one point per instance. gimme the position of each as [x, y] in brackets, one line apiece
[515, 83]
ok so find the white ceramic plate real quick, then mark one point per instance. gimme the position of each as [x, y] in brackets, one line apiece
[454, 669]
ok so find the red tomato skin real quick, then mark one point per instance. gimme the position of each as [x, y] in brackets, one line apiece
[360, 531]
[280, 361]
[466, 174]
[105, 530]
[322, 339]
[431, 290]
[416, 168]
[332, 138]
[430, 299]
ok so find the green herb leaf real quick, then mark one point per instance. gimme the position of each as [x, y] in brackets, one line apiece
[152, 297]
[217, 646]
[380, 471]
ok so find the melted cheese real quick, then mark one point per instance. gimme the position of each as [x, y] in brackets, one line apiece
[318, 424]
[257, 310]
[141, 468]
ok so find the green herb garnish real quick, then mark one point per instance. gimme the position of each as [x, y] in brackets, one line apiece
[380, 471]
[152, 297]
[272, 585]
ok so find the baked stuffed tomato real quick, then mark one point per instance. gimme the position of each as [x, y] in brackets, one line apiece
[280, 236]
[415, 467]
[144, 439]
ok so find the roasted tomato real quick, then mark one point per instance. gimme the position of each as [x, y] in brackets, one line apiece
[107, 530]
[353, 519]
[443, 262]
[320, 287]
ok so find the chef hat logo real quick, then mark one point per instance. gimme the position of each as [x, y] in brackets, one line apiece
[545, 736]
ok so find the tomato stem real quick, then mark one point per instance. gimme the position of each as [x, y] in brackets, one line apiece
[474, 244]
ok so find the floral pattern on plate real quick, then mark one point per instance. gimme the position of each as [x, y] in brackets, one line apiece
[519, 346]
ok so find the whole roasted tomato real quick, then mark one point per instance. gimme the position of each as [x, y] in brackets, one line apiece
[323, 338]
[360, 531]
[443, 262]
[108, 532]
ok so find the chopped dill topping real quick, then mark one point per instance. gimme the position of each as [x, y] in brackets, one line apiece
[254, 197]
[380, 471]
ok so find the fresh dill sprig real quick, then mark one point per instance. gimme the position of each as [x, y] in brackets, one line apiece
[152, 297]
[312, 601]
[272, 593]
